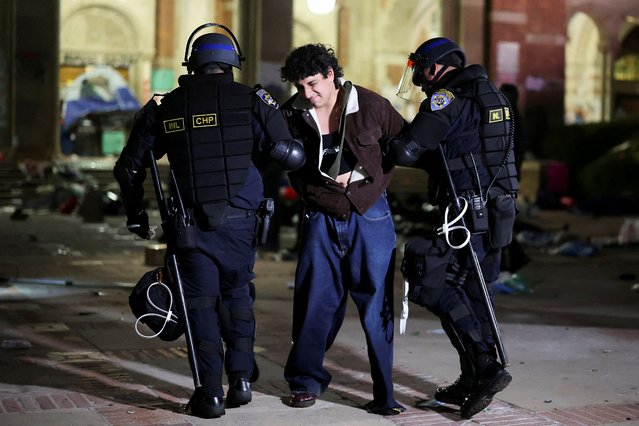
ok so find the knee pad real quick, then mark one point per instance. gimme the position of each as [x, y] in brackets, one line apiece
[238, 327]
[204, 302]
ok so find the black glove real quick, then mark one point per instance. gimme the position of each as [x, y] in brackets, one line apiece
[289, 152]
[139, 225]
[384, 145]
[402, 150]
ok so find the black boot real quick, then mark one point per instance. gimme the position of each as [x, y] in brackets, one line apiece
[457, 392]
[491, 378]
[205, 406]
[239, 392]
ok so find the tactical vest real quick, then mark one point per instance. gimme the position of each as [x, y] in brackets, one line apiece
[209, 134]
[496, 133]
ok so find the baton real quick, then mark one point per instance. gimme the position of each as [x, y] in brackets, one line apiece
[174, 270]
[477, 267]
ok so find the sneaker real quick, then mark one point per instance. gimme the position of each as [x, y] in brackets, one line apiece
[456, 393]
[205, 406]
[493, 379]
[374, 408]
[239, 392]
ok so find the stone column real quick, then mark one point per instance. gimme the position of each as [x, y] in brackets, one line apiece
[275, 44]
[36, 79]
[7, 76]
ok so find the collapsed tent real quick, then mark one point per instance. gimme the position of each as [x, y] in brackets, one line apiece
[100, 90]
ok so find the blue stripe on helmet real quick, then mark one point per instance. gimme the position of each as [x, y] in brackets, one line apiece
[214, 46]
[437, 43]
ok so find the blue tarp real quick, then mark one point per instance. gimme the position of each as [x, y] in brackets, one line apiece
[100, 90]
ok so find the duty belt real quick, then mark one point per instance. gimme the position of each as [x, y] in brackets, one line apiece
[237, 213]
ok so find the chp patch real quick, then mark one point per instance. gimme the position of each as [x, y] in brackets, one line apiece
[205, 120]
[267, 98]
[440, 99]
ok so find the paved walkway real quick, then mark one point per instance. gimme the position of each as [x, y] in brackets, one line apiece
[70, 356]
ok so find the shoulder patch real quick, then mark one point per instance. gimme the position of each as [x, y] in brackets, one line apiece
[440, 99]
[267, 98]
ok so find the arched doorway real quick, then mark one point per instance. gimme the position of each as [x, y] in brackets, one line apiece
[404, 27]
[626, 77]
[583, 100]
[100, 47]
[97, 35]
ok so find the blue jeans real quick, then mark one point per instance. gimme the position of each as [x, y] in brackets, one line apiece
[338, 257]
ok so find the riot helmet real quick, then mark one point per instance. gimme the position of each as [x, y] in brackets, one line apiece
[212, 48]
[438, 50]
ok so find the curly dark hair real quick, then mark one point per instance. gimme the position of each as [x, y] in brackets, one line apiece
[308, 60]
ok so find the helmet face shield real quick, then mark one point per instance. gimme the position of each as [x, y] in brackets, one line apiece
[407, 90]
[414, 86]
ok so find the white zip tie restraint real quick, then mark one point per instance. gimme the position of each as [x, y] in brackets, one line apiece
[403, 318]
[446, 228]
[168, 316]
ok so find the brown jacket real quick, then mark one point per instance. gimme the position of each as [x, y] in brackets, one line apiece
[369, 119]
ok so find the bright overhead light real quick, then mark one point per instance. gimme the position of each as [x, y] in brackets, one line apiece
[321, 7]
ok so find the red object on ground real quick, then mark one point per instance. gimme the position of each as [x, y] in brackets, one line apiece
[68, 206]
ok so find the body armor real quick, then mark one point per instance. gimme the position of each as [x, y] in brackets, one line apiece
[209, 134]
[496, 132]
[480, 159]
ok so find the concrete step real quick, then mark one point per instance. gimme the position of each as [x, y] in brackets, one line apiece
[11, 181]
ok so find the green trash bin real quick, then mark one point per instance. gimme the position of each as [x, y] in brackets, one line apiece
[113, 141]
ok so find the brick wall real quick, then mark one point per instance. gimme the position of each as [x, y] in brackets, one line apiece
[536, 33]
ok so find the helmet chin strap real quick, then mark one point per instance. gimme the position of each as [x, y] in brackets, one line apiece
[428, 85]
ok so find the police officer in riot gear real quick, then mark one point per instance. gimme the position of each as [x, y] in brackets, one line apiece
[211, 128]
[468, 120]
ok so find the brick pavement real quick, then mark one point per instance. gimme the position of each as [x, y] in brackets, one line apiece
[84, 362]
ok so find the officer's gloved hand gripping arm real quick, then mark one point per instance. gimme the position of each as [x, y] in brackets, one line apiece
[288, 152]
[130, 171]
[423, 134]
[403, 150]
